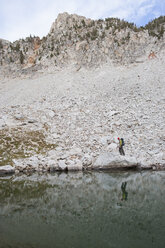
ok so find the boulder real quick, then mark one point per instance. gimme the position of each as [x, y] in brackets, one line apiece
[87, 160]
[62, 165]
[7, 169]
[77, 166]
[52, 167]
[113, 161]
[112, 147]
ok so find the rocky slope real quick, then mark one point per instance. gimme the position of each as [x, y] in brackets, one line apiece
[69, 115]
[83, 42]
[65, 119]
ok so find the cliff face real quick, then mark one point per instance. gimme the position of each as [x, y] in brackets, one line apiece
[80, 41]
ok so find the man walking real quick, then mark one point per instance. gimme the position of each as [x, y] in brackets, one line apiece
[121, 144]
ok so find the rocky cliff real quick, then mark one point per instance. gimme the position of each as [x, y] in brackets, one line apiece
[76, 40]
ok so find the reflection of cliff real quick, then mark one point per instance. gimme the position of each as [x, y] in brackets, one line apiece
[63, 210]
[79, 191]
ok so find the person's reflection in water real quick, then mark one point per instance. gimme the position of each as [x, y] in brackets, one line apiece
[124, 192]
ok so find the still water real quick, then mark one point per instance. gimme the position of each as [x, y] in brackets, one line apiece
[74, 210]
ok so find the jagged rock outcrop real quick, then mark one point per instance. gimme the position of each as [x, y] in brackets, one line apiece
[80, 41]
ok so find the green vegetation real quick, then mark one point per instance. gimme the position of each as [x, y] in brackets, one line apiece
[52, 45]
[155, 23]
[17, 143]
[88, 34]
[1, 45]
[30, 38]
[103, 35]
[91, 24]
[116, 23]
[17, 47]
[44, 39]
[57, 51]
[81, 37]
[100, 21]
[21, 58]
[126, 38]
[83, 23]
[94, 34]
[11, 60]
[156, 27]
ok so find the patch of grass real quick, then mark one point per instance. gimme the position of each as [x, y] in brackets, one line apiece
[18, 143]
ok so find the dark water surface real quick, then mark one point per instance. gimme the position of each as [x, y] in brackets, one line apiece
[95, 210]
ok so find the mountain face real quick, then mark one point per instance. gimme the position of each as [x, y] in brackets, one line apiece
[76, 40]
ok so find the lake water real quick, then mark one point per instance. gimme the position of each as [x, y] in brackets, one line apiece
[81, 210]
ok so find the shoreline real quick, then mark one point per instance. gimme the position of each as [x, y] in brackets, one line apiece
[9, 170]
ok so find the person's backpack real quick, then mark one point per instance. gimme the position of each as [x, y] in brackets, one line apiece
[123, 143]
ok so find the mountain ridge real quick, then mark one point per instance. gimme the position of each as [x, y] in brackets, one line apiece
[83, 42]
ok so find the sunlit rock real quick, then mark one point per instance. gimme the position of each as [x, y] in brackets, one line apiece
[113, 161]
[6, 169]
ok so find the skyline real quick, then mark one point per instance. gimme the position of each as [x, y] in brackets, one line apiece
[20, 19]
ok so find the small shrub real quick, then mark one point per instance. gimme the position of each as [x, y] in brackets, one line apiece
[11, 60]
[161, 31]
[88, 35]
[1, 45]
[21, 58]
[17, 47]
[94, 34]
[57, 51]
[30, 38]
[52, 48]
[156, 27]
[100, 20]
[83, 23]
[103, 35]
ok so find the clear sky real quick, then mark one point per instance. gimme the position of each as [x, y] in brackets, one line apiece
[21, 18]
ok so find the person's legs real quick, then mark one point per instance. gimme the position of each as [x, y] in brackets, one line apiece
[122, 151]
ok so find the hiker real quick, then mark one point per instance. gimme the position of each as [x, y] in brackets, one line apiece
[124, 192]
[121, 144]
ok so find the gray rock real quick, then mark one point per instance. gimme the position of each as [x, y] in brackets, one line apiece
[53, 167]
[86, 160]
[51, 114]
[19, 117]
[77, 166]
[113, 161]
[7, 169]
[62, 165]
[75, 151]
[31, 121]
[112, 146]
[104, 140]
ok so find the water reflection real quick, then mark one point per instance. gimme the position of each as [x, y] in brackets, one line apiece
[124, 192]
[83, 210]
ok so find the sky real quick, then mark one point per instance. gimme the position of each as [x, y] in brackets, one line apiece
[22, 18]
